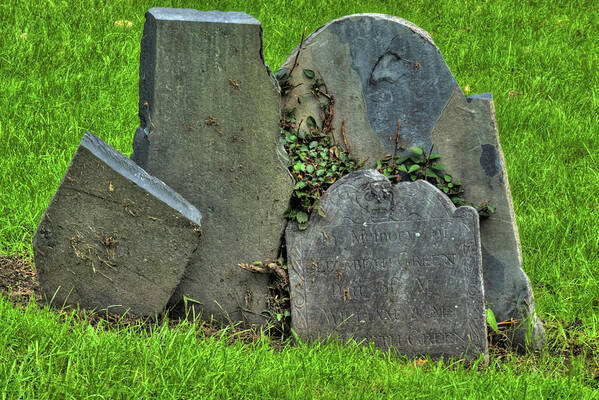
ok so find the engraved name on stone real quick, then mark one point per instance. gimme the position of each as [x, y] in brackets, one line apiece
[398, 271]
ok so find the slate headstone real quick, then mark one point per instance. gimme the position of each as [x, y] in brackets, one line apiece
[113, 236]
[382, 69]
[210, 112]
[466, 133]
[398, 265]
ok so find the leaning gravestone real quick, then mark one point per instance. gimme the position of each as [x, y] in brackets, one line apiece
[113, 236]
[382, 69]
[473, 154]
[210, 112]
[398, 265]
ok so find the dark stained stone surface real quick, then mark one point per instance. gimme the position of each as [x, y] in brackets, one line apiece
[210, 112]
[381, 69]
[113, 236]
[398, 265]
[466, 136]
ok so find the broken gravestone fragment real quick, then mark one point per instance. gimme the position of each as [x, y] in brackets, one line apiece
[466, 135]
[113, 236]
[210, 112]
[398, 265]
[382, 69]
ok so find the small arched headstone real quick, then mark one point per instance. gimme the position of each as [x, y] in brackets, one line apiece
[398, 265]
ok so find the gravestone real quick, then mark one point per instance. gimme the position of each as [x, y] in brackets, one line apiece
[398, 265]
[210, 112]
[382, 69]
[466, 134]
[113, 236]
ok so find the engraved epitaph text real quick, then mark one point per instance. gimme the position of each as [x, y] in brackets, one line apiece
[396, 265]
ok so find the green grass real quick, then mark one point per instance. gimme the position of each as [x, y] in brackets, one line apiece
[66, 67]
[47, 356]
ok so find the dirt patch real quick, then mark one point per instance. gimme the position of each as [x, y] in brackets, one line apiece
[18, 280]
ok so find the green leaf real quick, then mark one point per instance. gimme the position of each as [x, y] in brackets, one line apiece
[257, 263]
[309, 73]
[300, 185]
[401, 159]
[402, 168]
[301, 217]
[434, 156]
[417, 159]
[416, 150]
[450, 185]
[299, 166]
[431, 174]
[310, 168]
[445, 190]
[458, 200]
[313, 144]
[491, 321]
[319, 172]
[491, 209]
[413, 168]
[438, 167]
[447, 178]
[311, 122]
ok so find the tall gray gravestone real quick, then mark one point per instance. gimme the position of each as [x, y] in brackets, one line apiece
[382, 69]
[210, 111]
[113, 236]
[395, 264]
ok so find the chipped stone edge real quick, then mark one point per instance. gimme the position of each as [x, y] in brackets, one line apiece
[137, 175]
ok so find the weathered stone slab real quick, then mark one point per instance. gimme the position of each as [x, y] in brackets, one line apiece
[113, 236]
[210, 112]
[381, 69]
[466, 136]
[398, 265]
